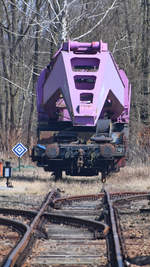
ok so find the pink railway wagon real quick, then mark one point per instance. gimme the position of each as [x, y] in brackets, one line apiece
[83, 104]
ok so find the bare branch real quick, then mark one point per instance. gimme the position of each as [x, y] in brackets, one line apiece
[123, 48]
[16, 85]
[58, 5]
[99, 22]
[7, 16]
[121, 39]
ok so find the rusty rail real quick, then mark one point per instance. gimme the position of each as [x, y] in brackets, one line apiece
[18, 212]
[16, 252]
[78, 222]
[60, 218]
[19, 226]
[115, 195]
[113, 243]
[116, 257]
[132, 197]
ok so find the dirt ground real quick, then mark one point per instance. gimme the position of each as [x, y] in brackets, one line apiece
[36, 181]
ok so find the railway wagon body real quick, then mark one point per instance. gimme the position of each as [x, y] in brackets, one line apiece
[83, 104]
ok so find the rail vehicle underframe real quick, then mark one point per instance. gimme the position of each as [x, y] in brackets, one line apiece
[102, 153]
[83, 160]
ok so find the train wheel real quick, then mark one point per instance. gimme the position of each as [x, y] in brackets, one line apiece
[58, 175]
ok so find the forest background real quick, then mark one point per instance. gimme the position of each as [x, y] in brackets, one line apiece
[32, 30]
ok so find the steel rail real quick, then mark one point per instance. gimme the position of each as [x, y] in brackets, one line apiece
[19, 226]
[113, 242]
[121, 237]
[114, 195]
[132, 197]
[75, 221]
[63, 200]
[16, 252]
[61, 218]
[128, 193]
[18, 212]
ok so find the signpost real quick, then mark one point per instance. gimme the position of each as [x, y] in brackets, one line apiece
[19, 150]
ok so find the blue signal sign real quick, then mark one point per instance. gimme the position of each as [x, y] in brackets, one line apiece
[19, 150]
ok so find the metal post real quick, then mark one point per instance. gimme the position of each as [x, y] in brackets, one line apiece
[19, 163]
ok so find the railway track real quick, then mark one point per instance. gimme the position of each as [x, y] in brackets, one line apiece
[77, 240]
[133, 217]
[90, 230]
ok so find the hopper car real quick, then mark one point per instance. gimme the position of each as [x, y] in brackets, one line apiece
[83, 106]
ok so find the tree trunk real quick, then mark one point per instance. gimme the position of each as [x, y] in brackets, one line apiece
[63, 32]
[35, 70]
[145, 64]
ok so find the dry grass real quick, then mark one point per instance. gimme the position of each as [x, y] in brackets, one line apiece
[36, 181]
[130, 179]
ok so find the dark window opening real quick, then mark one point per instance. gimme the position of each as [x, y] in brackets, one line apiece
[84, 82]
[86, 98]
[85, 64]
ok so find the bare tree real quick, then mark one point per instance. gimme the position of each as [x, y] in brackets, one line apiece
[145, 61]
[14, 28]
[35, 70]
[31, 32]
